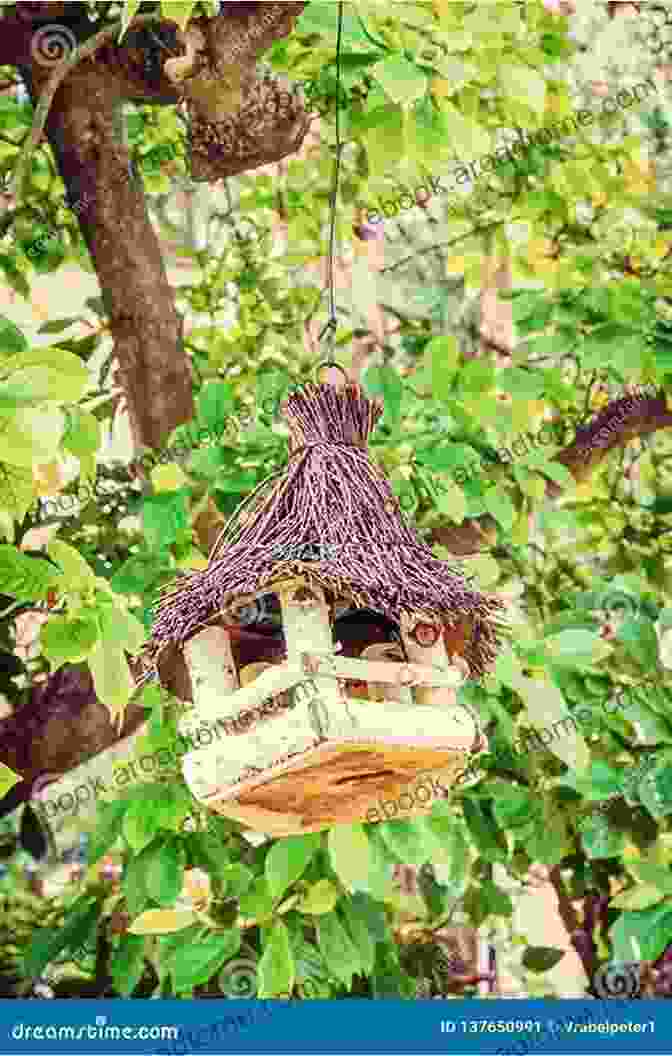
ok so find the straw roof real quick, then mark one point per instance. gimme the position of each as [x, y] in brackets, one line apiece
[330, 495]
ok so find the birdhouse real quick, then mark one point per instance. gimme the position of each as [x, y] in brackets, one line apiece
[324, 642]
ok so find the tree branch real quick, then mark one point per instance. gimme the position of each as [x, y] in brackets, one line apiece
[139, 300]
[619, 423]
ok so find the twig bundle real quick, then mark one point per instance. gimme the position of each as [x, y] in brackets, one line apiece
[331, 493]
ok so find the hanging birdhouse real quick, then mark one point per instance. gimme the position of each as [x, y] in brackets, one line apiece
[320, 640]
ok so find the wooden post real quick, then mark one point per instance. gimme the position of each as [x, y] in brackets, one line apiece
[212, 669]
[305, 619]
[385, 651]
[424, 644]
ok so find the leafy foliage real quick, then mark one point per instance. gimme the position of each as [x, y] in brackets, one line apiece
[578, 771]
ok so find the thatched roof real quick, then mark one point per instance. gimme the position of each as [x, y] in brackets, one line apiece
[332, 496]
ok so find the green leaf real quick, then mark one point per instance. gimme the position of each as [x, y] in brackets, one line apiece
[575, 647]
[452, 502]
[320, 898]
[488, 839]
[77, 575]
[652, 875]
[127, 964]
[140, 826]
[514, 807]
[288, 859]
[82, 436]
[494, 900]
[468, 139]
[257, 903]
[215, 404]
[50, 374]
[599, 839]
[14, 276]
[640, 897]
[349, 854]
[385, 382]
[523, 85]
[655, 790]
[322, 19]
[540, 959]
[25, 578]
[638, 636]
[407, 842]
[237, 879]
[120, 627]
[165, 873]
[80, 921]
[499, 505]
[12, 340]
[162, 922]
[335, 945]
[7, 780]
[442, 356]
[400, 79]
[165, 517]
[277, 970]
[179, 11]
[57, 326]
[67, 641]
[358, 928]
[549, 841]
[197, 963]
[642, 936]
[107, 829]
[112, 679]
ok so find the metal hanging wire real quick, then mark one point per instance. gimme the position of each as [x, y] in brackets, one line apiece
[329, 330]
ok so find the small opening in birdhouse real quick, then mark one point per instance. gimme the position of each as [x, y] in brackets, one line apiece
[365, 634]
[257, 637]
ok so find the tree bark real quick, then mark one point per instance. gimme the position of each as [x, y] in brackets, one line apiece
[96, 169]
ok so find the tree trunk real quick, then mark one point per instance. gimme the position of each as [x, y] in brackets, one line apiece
[110, 201]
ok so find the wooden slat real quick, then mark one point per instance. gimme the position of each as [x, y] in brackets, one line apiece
[385, 671]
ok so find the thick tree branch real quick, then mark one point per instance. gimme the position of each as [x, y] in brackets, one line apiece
[619, 423]
[147, 330]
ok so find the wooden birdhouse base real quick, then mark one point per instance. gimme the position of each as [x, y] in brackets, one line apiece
[341, 782]
[298, 752]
